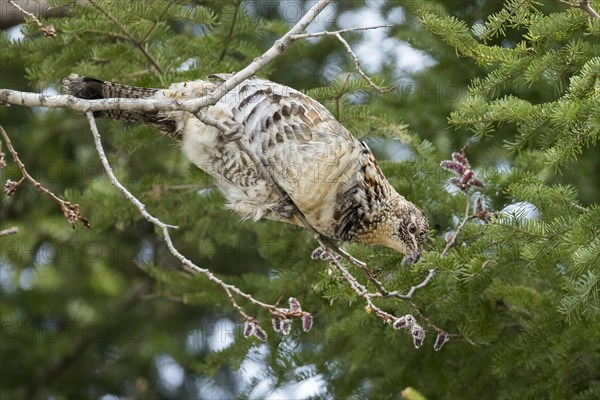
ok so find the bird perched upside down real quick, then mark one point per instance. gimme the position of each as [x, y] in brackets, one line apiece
[328, 174]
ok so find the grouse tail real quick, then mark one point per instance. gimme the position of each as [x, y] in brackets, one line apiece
[88, 88]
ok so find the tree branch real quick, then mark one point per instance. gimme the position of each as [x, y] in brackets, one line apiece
[48, 31]
[195, 106]
[192, 105]
[188, 264]
[340, 31]
[138, 44]
[231, 29]
[462, 224]
[10, 231]
[153, 27]
[338, 36]
[584, 5]
[70, 210]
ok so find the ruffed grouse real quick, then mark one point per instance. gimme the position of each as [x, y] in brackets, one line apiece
[332, 177]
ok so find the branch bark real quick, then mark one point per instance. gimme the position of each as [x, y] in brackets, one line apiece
[584, 5]
[9, 231]
[41, 8]
[47, 30]
[192, 105]
[229, 289]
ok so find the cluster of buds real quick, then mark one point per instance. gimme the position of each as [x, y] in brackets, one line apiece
[48, 31]
[409, 323]
[252, 328]
[10, 187]
[72, 213]
[282, 321]
[459, 165]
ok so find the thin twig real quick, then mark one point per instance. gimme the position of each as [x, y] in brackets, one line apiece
[153, 27]
[70, 210]
[123, 29]
[584, 5]
[278, 48]
[46, 30]
[411, 292]
[462, 224]
[339, 96]
[431, 273]
[10, 231]
[231, 29]
[208, 120]
[359, 68]
[229, 289]
[386, 317]
[357, 65]
[362, 291]
[329, 33]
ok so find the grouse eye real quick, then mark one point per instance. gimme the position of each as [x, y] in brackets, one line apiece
[412, 228]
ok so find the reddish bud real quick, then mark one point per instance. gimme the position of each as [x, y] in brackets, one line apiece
[479, 205]
[460, 158]
[10, 187]
[417, 342]
[48, 31]
[441, 338]
[276, 321]
[249, 328]
[418, 334]
[286, 326]
[260, 333]
[460, 166]
[453, 166]
[456, 182]
[318, 254]
[72, 217]
[467, 176]
[294, 304]
[406, 322]
[307, 322]
[481, 209]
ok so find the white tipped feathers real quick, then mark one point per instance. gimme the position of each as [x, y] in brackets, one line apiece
[329, 175]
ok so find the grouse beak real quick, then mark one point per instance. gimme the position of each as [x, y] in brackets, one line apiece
[415, 256]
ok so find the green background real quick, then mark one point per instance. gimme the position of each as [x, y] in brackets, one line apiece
[107, 312]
